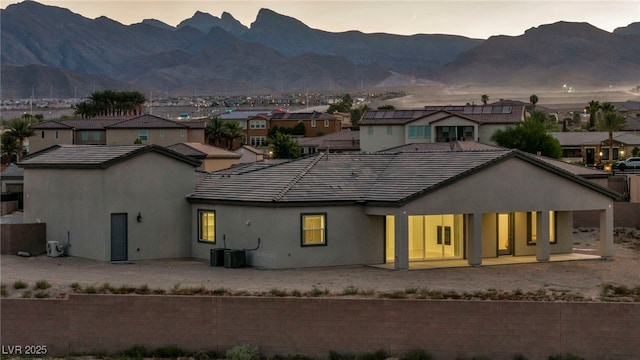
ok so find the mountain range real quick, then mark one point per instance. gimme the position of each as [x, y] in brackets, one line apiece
[48, 49]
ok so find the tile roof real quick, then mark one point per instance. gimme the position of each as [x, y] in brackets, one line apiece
[301, 116]
[443, 146]
[483, 114]
[385, 178]
[93, 156]
[204, 151]
[339, 140]
[146, 121]
[594, 138]
[12, 172]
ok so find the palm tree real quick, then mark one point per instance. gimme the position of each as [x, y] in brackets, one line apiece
[214, 131]
[485, 99]
[533, 99]
[20, 129]
[542, 118]
[9, 145]
[611, 121]
[592, 109]
[232, 131]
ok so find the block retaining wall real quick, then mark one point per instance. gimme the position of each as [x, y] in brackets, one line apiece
[314, 326]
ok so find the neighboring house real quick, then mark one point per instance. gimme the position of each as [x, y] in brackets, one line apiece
[111, 203]
[12, 179]
[385, 129]
[633, 124]
[212, 158]
[395, 208]
[151, 129]
[249, 154]
[115, 131]
[79, 132]
[241, 116]
[341, 141]
[315, 123]
[592, 147]
[257, 131]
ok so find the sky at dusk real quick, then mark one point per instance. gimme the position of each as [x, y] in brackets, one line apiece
[471, 18]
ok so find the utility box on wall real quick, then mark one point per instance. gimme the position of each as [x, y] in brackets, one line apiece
[235, 258]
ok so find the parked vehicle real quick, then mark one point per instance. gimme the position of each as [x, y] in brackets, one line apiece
[630, 163]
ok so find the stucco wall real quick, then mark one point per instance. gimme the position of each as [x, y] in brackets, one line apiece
[77, 205]
[162, 137]
[314, 326]
[352, 236]
[486, 132]
[379, 139]
[37, 143]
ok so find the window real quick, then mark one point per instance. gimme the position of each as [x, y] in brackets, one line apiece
[207, 226]
[85, 135]
[258, 140]
[314, 229]
[326, 123]
[96, 135]
[56, 134]
[182, 132]
[42, 134]
[369, 130]
[143, 135]
[313, 122]
[532, 235]
[420, 132]
[389, 130]
[161, 133]
[258, 124]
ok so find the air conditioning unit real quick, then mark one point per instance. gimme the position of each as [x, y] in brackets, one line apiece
[54, 249]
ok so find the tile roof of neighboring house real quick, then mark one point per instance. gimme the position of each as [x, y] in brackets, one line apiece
[199, 150]
[94, 156]
[147, 121]
[339, 140]
[482, 114]
[141, 121]
[242, 114]
[77, 124]
[633, 123]
[442, 146]
[252, 149]
[594, 138]
[12, 172]
[373, 178]
[301, 116]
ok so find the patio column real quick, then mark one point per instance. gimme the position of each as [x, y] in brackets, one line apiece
[543, 247]
[606, 232]
[401, 261]
[474, 239]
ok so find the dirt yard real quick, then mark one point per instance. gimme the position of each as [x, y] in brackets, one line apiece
[583, 278]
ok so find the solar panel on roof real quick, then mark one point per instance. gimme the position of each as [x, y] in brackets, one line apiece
[467, 110]
[477, 110]
[506, 109]
[369, 115]
[379, 115]
[487, 109]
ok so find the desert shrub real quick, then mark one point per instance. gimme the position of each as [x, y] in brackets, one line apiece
[135, 352]
[243, 352]
[3, 290]
[42, 285]
[169, 352]
[20, 285]
[350, 290]
[41, 294]
[417, 354]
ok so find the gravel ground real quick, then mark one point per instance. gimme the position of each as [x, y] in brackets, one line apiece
[585, 277]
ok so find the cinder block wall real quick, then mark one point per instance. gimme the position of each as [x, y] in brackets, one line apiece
[624, 215]
[314, 326]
